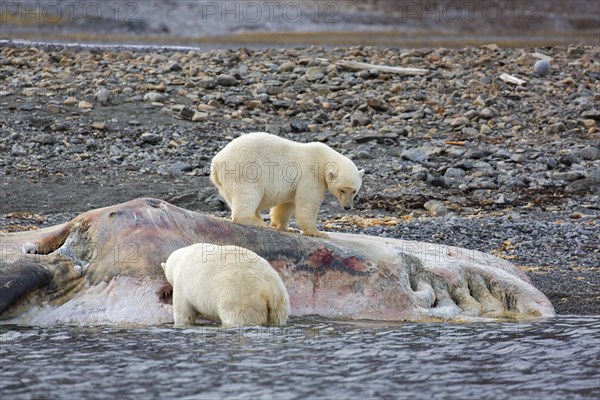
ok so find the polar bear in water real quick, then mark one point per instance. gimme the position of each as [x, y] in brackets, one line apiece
[229, 283]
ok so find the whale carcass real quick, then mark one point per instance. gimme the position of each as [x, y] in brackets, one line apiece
[103, 267]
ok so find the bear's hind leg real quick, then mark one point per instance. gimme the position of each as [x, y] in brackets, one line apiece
[244, 210]
[184, 314]
[236, 314]
[280, 216]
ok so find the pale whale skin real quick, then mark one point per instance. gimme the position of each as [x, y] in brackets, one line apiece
[103, 267]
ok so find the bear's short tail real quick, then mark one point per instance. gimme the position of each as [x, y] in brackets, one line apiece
[163, 265]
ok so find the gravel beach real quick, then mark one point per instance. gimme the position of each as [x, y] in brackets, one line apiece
[455, 156]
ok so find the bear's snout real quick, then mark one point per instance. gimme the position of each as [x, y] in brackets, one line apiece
[347, 208]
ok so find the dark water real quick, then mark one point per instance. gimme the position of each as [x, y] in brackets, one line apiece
[557, 358]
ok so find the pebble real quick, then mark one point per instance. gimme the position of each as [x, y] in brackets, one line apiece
[459, 121]
[414, 155]
[298, 126]
[590, 153]
[46, 138]
[207, 83]
[568, 175]
[476, 153]
[412, 115]
[18, 150]
[200, 117]
[471, 114]
[591, 114]
[103, 96]
[486, 113]
[436, 207]
[187, 113]
[287, 66]
[518, 158]
[154, 97]
[179, 168]
[69, 101]
[226, 80]
[98, 125]
[151, 138]
[454, 173]
[542, 67]
[360, 119]
[314, 74]
[557, 127]
[485, 130]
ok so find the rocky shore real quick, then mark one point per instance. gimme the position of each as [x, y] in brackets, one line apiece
[455, 156]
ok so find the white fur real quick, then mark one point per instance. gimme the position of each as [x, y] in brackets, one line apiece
[229, 283]
[260, 171]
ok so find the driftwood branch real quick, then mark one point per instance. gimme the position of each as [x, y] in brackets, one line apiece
[542, 56]
[358, 66]
[511, 79]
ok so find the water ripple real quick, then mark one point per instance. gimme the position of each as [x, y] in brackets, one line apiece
[310, 358]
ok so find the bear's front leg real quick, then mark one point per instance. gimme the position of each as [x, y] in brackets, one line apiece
[306, 217]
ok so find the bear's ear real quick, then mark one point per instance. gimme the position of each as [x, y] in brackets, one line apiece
[163, 265]
[331, 175]
[361, 172]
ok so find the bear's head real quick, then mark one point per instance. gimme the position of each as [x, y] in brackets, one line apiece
[344, 183]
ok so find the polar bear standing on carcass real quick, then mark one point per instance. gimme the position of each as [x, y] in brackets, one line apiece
[258, 171]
